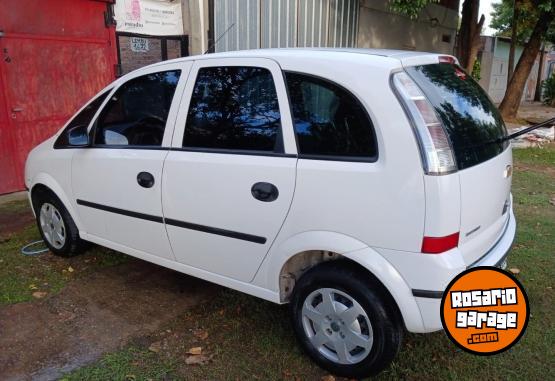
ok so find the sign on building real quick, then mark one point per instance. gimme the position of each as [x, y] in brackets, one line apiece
[138, 44]
[151, 17]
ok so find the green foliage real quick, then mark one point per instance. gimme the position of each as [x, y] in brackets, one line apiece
[410, 8]
[476, 70]
[502, 18]
[548, 91]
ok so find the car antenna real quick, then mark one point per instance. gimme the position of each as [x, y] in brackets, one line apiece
[219, 38]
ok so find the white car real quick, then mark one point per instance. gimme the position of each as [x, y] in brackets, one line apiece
[354, 184]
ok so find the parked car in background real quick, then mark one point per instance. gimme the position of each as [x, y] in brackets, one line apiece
[352, 184]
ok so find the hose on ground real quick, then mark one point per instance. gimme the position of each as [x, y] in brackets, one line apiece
[29, 251]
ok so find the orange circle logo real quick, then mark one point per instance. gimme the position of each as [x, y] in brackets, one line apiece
[484, 310]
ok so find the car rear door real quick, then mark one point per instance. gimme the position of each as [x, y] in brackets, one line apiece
[229, 179]
[477, 135]
[117, 181]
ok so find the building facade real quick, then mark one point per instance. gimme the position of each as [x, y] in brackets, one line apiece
[494, 66]
[224, 25]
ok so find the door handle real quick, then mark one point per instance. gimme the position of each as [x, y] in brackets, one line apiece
[264, 192]
[145, 179]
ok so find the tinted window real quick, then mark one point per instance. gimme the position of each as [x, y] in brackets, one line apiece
[75, 134]
[136, 114]
[233, 108]
[469, 117]
[329, 121]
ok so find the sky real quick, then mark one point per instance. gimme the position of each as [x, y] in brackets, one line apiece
[485, 9]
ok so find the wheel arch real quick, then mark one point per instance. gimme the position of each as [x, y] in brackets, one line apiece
[302, 252]
[46, 183]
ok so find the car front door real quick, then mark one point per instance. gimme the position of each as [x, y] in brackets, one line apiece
[229, 179]
[117, 181]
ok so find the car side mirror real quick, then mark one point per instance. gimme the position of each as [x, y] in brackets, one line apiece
[78, 136]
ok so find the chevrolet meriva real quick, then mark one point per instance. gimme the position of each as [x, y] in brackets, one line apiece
[353, 184]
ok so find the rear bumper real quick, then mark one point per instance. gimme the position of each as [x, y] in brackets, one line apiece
[497, 255]
[429, 275]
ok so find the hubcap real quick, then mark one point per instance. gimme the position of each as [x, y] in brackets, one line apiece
[52, 225]
[337, 326]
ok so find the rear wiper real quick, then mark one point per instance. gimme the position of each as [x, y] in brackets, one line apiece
[515, 134]
[528, 129]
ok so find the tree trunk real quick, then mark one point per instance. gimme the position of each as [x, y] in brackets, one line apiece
[514, 26]
[513, 94]
[475, 43]
[468, 41]
[538, 93]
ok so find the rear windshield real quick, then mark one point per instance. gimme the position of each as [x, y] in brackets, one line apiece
[470, 119]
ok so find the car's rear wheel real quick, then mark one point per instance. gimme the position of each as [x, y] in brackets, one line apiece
[344, 321]
[57, 228]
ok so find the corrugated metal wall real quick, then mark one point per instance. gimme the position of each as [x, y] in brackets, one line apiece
[285, 23]
[278, 23]
[343, 26]
[313, 23]
[244, 15]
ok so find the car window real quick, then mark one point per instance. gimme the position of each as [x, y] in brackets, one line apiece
[136, 114]
[75, 134]
[234, 108]
[329, 120]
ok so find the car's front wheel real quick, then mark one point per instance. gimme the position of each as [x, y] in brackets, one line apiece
[344, 322]
[57, 228]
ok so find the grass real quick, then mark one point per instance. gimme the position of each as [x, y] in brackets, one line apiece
[21, 276]
[132, 364]
[247, 338]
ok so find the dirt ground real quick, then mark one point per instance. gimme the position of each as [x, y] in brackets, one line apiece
[535, 112]
[531, 113]
[14, 219]
[96, 315]
[91, 316]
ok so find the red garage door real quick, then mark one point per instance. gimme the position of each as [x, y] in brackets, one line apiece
[55, 54]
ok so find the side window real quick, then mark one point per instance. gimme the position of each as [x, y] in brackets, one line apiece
[329, 120]
[136, 114]
[234, 108]
[75, 134]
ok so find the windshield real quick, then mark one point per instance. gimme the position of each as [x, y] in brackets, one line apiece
[470, 119]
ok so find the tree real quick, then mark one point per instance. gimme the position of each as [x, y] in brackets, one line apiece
[502, 19]
[514, 31]
[410, 8]
[468, 40]
[536, 27]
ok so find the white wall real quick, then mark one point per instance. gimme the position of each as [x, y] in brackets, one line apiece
[379, 27]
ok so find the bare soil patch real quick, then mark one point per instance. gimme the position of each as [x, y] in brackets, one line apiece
[92, 316]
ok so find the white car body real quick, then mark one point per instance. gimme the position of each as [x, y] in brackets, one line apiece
[373, 213]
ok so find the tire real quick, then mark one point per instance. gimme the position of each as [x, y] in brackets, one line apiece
[61, 238]
[362, 296]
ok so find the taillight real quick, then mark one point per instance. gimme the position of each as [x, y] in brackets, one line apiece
[437, 245]
[448, 59]
[435, 148]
